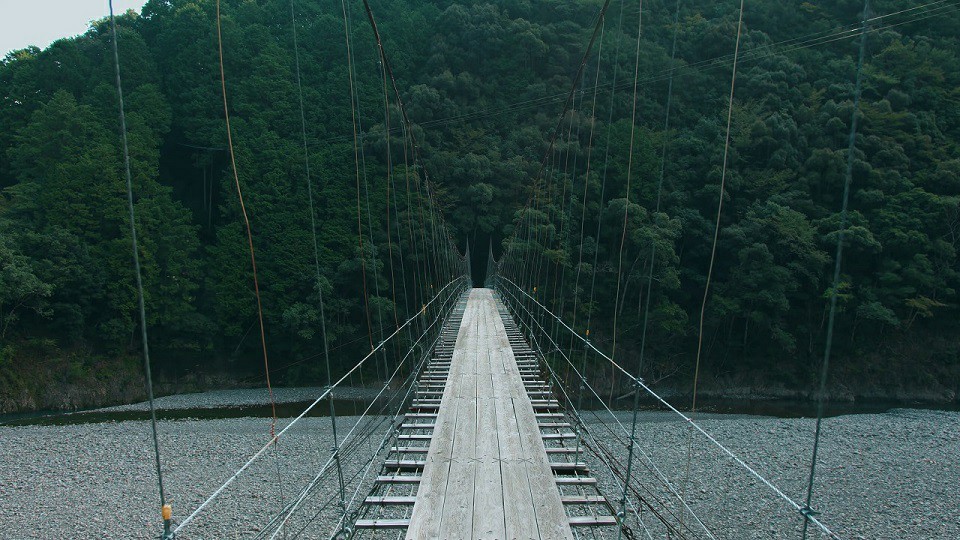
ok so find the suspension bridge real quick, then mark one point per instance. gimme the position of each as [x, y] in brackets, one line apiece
[480, 428]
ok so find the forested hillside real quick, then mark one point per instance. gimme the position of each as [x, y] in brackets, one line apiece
[483, 83]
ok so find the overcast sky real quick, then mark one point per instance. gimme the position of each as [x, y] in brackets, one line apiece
[41, 22]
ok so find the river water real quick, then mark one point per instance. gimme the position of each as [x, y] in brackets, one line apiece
[778, 408]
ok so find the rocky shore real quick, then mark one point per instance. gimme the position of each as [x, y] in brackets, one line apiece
[881, 476]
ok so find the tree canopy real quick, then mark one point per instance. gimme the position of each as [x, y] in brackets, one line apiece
[483, 84]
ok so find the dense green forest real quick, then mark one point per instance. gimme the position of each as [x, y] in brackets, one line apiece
[483, 84]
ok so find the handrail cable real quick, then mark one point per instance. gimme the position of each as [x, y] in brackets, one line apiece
[388, 435]
[308, 488]
[310, 407]
[578, 415]
[661, 476]
[639, 382]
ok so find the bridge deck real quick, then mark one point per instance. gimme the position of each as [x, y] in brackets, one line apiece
[487, 474]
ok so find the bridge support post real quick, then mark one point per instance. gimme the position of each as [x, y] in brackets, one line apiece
[622, 515]
[336, 452]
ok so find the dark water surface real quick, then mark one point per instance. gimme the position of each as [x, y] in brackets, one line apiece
[794, 408]
[780, 408]
[343, 407]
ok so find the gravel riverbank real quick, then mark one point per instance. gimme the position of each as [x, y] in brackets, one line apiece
[884, 476]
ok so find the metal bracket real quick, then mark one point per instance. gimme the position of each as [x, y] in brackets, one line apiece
[808, 513]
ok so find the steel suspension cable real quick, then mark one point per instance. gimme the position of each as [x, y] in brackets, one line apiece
[415, 144]
[246, 221]
[388, 184]
[603, 176]
[586, 183]
[249, 231]
[576, 82]
[716, 235]
[663, 163]
[623, 238]
[577, 414]
[356, 163]
[304, 493]
[566, 107]
[646, 388]
[626, 206]
[838, 259]
[366, 194]
[316, 254]
[327, 391]
[166, 511]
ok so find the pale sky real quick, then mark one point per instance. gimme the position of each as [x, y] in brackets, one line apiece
[41, 22]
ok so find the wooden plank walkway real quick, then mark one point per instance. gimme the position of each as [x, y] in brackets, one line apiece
[487, 474]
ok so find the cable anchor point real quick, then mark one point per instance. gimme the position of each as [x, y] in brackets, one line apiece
[809, 513]
[166, 512]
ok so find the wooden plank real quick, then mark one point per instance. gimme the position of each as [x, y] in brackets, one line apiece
[425, 517]
[427, 513]
[551, 518]
[391, 500]
[411, 449]
[415, 437]
[458, 500]
[520, 520]
[382, 523]
[575, 481]
[488, 519]
[398, 479]
[546, 497]
[592, 521]
[404, 464]
[583, 499]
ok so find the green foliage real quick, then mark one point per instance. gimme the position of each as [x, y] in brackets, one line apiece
[771, 279]
[480, 81]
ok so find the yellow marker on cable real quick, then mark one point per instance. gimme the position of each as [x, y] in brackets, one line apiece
[166, 512]
[588, 332]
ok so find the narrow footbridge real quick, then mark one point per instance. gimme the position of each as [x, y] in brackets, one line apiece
[484, 451]
[477, 433]
[487, 420]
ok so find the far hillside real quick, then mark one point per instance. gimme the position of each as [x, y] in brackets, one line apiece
[483, 84]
